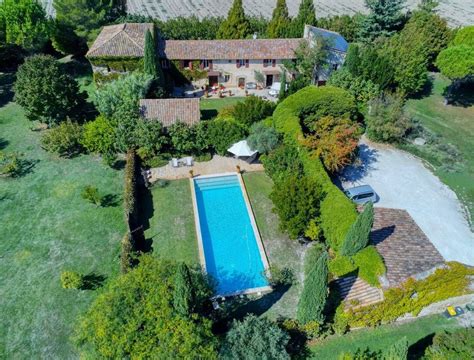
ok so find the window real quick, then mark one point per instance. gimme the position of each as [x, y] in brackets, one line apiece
[335, 66]
[206, 64]
[188, 64]
[240, 63]
[165, 64]
[226, 78]
[364, 196]
[267, 62]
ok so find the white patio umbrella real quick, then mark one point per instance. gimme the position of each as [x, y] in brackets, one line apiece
[241, 148]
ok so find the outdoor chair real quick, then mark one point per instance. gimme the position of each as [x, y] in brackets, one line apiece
[174, 162]
[188, 161]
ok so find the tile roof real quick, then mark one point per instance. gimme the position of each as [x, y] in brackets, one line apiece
[406, 250]
[254, 49]
[121, 40]
[170, 111]
[336, 40]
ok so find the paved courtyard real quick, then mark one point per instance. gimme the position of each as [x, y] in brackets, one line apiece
[403, 182]
[218, 164]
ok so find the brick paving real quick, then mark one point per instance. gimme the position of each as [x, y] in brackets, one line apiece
[405, 248]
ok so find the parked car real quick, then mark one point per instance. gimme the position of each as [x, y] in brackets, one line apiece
[361, 194]
[251, 86]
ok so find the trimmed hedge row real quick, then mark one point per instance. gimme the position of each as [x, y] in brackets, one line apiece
[338, 213]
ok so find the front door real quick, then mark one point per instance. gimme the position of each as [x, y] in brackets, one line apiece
[213, 80]
[269, 81]
[241, 82]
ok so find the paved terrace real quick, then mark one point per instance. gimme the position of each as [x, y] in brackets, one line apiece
[218, 164]
[406, 250]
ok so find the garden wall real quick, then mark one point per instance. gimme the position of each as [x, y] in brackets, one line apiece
[337, 211]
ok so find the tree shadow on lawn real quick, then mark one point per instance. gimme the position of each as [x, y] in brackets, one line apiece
[460, 93]
[110, 200]
[6, 88]
[93, 281]
[3, 143]
[417, 350]
[25, 167]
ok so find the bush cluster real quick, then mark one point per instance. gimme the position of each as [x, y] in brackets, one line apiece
[412, 296]
[337, 211]
[71, 280]
[458, 344]
[64, 139]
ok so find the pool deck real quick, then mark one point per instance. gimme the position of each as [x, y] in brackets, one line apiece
[202, 257]
[218, 165]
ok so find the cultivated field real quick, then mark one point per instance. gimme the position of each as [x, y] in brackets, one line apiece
[457, 12]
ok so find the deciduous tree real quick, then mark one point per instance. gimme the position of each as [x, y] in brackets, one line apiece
[263, 138]
[255, 338]
[46, 92]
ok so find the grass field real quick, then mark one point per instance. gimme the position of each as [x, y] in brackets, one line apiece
[46, 227]
[418, 333]
[211, 107]
[172, 223]
[454, 125]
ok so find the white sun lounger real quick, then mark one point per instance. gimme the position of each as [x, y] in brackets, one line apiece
[174, 162]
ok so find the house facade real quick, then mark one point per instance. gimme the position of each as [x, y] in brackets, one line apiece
[230, 63]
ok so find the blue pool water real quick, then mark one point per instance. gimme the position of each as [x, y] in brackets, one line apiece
[230, 247]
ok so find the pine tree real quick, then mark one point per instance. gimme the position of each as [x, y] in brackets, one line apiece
[357, 237]
[183, 291]
[306, 16]
[385, 17]
[279, 25]
[149, 61]
[282, 94]
[315, 290]
[236, 26]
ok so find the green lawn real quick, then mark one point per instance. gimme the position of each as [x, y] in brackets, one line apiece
[454, 125]
[171, 226]
[46, 227]
[211, 107]
[418, 334]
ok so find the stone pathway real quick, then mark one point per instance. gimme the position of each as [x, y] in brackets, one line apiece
[218, 164]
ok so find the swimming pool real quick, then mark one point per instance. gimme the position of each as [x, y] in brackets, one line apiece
[230, 246]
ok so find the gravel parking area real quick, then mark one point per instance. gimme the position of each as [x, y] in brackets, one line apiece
[403, 182]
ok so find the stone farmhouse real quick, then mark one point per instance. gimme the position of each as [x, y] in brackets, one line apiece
[231, 63]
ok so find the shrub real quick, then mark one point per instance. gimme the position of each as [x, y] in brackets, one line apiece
[130, 190]
[263, 138]
[10, 164]
[150, 138]
[45, 91]
[282, 161]
[223, 133]
[281, 276]
[182, 138]
[458, 344]
[183, 296]
[357, 237]
[370, 265]
[91, 194]
[99, 136]
[341, 265]
[253, 109]
[387, 121]
[255, 338]
[71, 280]
[143, 297]
[64, 139]
[315, 289]
[296, 200]
[337, 211]
[412, 296]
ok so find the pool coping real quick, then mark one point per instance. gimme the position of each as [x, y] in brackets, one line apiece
[261, 248]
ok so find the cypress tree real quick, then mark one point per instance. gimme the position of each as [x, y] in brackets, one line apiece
[149, 61]
[183, 291]
[314, 295]
[236, 26]
[306, 16]
[126, 254]
[357, 237]
[282, 94]
[279, 25]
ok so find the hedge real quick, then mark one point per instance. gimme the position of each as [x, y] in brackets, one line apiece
[338, 213]
[412, 296]
[118, 63]
[130, 201]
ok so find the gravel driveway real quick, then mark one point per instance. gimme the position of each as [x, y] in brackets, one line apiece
[403, 182]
